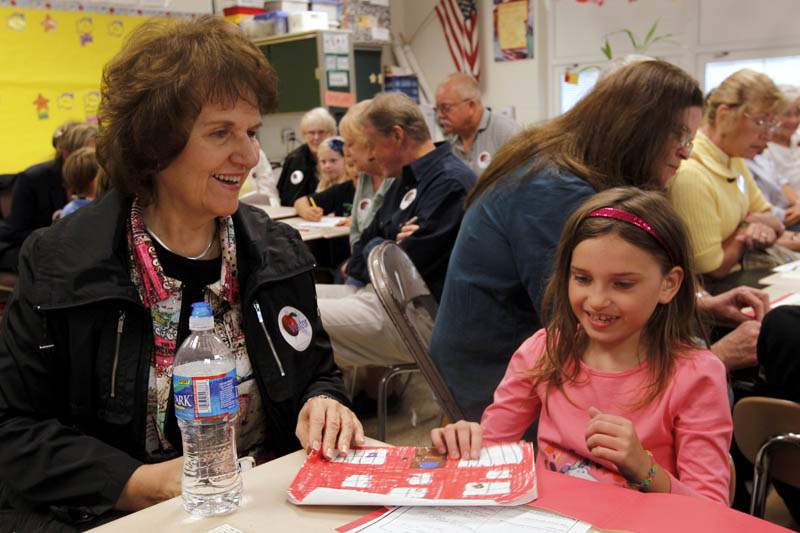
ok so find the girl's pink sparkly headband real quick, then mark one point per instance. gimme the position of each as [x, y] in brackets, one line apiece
[630, 218]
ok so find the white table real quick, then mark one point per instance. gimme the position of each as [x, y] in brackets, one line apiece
[277, 212]
[264, 508]
[309, 234]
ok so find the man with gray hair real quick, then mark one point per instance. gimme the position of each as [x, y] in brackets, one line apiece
[421, 211]
[475, 132]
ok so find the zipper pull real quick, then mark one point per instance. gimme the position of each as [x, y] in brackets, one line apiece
[269, 339]
[120, 327]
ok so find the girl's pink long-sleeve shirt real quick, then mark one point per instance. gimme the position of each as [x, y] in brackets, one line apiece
[687, 428]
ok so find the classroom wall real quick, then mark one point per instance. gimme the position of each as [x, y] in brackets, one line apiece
[520, 84]
[51, 61]
[569, 33]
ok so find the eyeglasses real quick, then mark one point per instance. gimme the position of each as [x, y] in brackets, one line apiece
[685, 138]
[765, 123]
[444, 109]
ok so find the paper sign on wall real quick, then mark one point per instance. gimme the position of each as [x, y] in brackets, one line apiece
[339, 99]
[335, 43]
[338, 78]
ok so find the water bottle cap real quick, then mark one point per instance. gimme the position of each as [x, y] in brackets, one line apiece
[201, 309]
[202, 317]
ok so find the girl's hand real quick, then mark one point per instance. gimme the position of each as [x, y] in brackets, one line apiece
[344, 222]
[614, 438]
[462, 439]
[306, 211]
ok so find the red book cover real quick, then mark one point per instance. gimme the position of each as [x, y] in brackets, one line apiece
[504, 475]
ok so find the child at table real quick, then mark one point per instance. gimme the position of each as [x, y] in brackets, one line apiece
[336, 185]
[80, 170]
[622, 392]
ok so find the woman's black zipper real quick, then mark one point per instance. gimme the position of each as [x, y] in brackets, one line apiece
[120, 326]
[269, 339]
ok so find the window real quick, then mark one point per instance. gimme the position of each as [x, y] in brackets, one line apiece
[572, 92]
[782, 70]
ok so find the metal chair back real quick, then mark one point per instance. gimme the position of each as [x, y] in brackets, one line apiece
[412, 308]
[767, 431]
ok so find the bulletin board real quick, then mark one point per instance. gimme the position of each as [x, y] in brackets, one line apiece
[51, 63]
[296, 64]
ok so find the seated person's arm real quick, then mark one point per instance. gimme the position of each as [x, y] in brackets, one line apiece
[438, 217]
[370, 237]
[325, 422]
[732, 250]
[737, 349]
[790, 194]
[337, 199]
[702, 431]
[307, 211]
[768, 219]
[151, 484]
[46, 462]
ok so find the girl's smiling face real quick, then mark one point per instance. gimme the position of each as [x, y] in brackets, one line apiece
[613, 288]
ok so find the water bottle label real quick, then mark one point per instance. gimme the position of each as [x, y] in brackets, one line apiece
[204, 397]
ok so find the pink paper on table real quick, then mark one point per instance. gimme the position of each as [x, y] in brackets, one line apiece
[611, 507]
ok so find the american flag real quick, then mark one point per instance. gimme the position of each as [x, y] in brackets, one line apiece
[459, 20]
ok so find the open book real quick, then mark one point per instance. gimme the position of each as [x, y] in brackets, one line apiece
[504, 475]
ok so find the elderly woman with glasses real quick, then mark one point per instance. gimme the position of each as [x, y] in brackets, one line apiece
[728, 217]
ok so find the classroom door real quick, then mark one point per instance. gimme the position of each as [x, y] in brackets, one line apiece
[368, 73]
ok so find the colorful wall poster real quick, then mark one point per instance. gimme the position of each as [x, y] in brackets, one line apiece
[513, 30]
[50, 68]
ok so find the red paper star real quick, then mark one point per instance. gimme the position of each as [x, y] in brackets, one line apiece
[41, 102]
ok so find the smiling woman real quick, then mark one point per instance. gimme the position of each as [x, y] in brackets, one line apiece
[91, 406]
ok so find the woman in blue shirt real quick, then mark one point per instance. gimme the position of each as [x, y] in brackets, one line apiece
[634, 128]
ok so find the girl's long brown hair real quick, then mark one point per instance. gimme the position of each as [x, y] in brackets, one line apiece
[671, 327]
[613, 137]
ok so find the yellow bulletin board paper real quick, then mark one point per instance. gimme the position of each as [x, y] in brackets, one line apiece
[511, 24]
[51, 63]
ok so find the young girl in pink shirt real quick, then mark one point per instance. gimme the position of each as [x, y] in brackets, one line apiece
[621, 390]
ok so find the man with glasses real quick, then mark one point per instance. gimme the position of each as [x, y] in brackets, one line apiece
[474, 131]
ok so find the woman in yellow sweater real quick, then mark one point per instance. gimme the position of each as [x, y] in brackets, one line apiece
[713, 190]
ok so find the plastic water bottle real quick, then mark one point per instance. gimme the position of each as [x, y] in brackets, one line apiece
[206, 404]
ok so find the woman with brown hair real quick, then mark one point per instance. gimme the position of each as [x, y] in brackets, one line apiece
[714, 192]
[87, 421]
[634, 128]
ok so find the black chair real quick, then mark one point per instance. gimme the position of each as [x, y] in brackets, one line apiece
[412, 309]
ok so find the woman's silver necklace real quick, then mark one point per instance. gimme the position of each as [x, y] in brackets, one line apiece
[192, 257]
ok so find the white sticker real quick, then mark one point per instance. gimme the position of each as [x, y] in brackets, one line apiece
[409, 197]
[295, 328]
[363, 206]
[296, 177]
[484, 158]
[740, 184]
